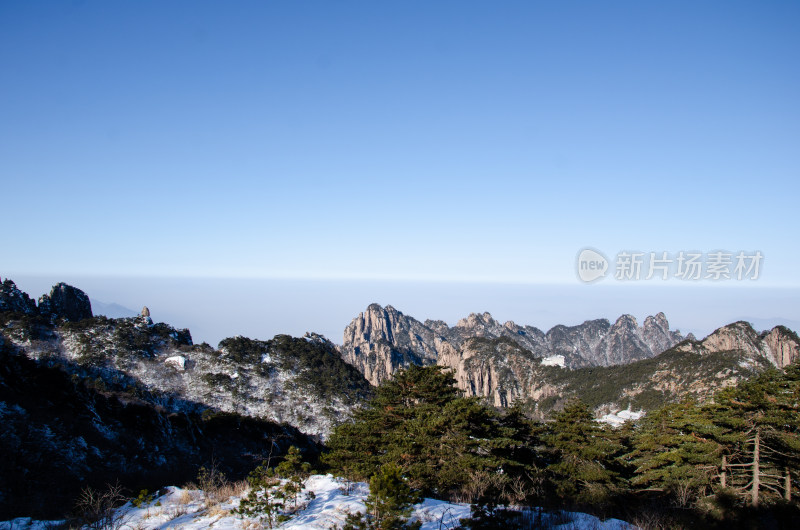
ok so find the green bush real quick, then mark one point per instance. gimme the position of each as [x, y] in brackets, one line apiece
[389, 503]
[144, 498]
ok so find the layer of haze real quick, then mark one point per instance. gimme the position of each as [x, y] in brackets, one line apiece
[217, 308]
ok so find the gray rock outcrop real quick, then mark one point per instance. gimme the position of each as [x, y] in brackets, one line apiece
[67, 302]
[780, 345]
[12, 299]
[381, 340]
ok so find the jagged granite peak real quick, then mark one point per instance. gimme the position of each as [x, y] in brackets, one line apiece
[67, 302]
[738, 336]
[437, 326]
[656, 332]
[484, 325]
[783, 345]
[381, 340]
[498, 369]
[578, 344]
[12, 299]
[503, 372]
[64, 301]
[780, 345]
[478, 322]
[622, 344]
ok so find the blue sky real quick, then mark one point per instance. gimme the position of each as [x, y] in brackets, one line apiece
[471, 141]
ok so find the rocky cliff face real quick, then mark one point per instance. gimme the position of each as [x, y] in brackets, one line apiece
[599, 343]
[503, 372]
[498, 369]
[782, 346]
[12, 299]
[379, 341]
[67, 302]
[609, 365]
[64, 302]
[779, 346]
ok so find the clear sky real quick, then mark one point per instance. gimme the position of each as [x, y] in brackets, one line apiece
[471, 141]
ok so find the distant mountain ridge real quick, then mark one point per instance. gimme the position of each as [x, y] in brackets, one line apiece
[112, 310]
[380, 340]
[313, 384]
[780, 346]
[611, 366]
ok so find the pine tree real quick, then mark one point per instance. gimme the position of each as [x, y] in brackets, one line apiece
[677, 450]
[294, 471]
[268, 496]
[261, 502]
[419, 422]
[358, 448]
[389, 503]
[762, 416]
[584, 454]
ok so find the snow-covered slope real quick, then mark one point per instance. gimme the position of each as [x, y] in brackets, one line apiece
[326, 508]
[299, 381]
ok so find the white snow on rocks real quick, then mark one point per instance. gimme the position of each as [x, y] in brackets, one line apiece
[616, 419]
[176, 361]
[554, 360]
[192, 510]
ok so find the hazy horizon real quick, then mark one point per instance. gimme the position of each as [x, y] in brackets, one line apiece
[214, 308]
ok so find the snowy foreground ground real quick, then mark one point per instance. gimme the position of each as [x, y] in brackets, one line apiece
[190, 509]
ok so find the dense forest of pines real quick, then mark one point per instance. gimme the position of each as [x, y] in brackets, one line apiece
[730, 462]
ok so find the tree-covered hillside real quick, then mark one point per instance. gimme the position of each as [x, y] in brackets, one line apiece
[727, 462]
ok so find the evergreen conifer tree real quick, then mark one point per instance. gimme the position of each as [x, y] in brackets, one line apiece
[419, 422]
[389, 503]
[762, 416]
[584, 455]
[677, 450]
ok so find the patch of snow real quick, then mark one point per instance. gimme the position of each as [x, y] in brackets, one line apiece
[176, 361]
[435, 514]
[191, 510]
[616, 419]
[25, 523]
[554, 360]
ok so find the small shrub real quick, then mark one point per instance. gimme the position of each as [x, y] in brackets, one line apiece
[185, 497]
[389, 503]
[213, 482]
[144, 498]
[98, 509]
